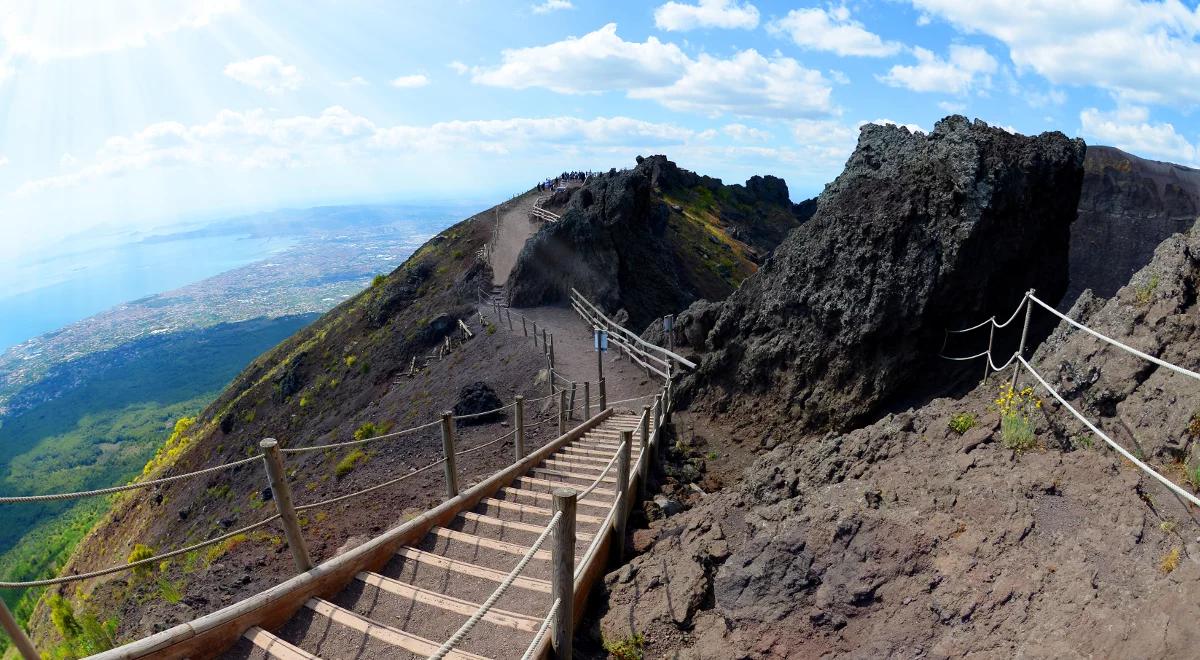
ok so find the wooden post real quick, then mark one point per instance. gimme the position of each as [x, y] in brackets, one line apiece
[508, 313]
[520, 422]
[667, 403]
[550, 375]
[448, 452]
[562, 411]
[571, 408]
[545, 342]
[282, 494]
[603, 396]
[599, 364]
[21, 640]
[534, 333]
[1024, 333]
[644, 471]
[587, 400]
[551, 350]
[621, 522]
[658, 436]
[524, 328]
[562, 576]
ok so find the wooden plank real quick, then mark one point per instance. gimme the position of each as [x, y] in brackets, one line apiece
[534, 481]
[467, 568]
[547, 497]
[384, 633]
[571, 475]
[574, 466]
[466, 608]
[536, 510]
[276, 647]
[484, 542]
[481, 519]
[685, 362]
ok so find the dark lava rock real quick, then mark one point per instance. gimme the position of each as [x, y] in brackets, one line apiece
[1128, 206]
[691, 327]
[291, 380]
[919, 233]
[398, 291]
[476, 398]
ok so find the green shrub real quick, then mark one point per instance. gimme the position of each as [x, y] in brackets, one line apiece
[1016, 427]
[351, 360]
[1145, 292]
[139, 553]
[218, 492]
[84, 634]
[172, 592]
[491, 328]
[1192, 474]
[349, 462]
[377, 281]
[630, 648]
[962, 422]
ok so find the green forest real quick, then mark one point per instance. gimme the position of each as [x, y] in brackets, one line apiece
[108, 415]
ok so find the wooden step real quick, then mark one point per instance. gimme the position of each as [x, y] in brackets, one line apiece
[449, 603]
[482, 519]
[484, 542]
[534, 481]
[563, 474]
[583, 452]
[541, 496]
[536, 510]
[467, 568]
[578, 467]
[384, 633]
[278, 648]
[562, 454]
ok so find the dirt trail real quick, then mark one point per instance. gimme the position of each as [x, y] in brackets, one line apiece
[575, 359]
[515, 229]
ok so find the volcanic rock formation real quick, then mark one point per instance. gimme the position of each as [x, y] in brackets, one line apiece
[919, 232]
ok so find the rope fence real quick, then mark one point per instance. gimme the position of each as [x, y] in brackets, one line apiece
[542, 630]
[1019, 358]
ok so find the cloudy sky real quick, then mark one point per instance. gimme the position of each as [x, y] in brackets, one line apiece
[130, 113]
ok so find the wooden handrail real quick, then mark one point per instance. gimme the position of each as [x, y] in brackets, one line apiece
[608, 322]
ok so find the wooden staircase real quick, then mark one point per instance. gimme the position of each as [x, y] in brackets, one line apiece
[430, 588]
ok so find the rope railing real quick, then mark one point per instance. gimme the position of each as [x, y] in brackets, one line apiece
[1019, 358]
[639, 398]
[350, 443]
[488, 604]
[486, 412]
[633, 337]
[369, 489]
[611, 462]
[487, 444]
[542, 630]
[139, 563]
[16, 499]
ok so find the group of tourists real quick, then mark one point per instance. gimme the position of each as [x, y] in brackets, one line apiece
[550, 185]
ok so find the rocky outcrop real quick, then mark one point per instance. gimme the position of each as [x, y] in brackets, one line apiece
[1152, 411]
[653, 239]
[476, 398]
[919, 232]
[1128, 206]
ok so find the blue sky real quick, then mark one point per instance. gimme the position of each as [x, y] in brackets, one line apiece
[129, 114]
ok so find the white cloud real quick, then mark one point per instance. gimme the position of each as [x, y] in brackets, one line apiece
[408, 82]
[3, 160]
[1140, 51]
[967, 68]
[552, 5]
[596, 62]
[746, 84]
[459, 67]
[259, 140]
[53, 29]
[266, 72]
[1129, 128]
[356, 81]
[729, 14]
[67, 161]
[832, 30]
[952, 108]
[744, 133]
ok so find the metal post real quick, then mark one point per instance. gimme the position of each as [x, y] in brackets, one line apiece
[282, 494]
[520, 422]
[18, 636]
[666, 410]
[562, 411]
[644, 469]
[603, 396]
[571, 408]
[658, 437]
[621, 522]
[1024, 333]
[587, 400]
[599, 364]
[448, 453]
[987, 362]
[562, 576]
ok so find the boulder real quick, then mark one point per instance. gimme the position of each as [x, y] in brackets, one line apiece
[919, 233]
[476, 398]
